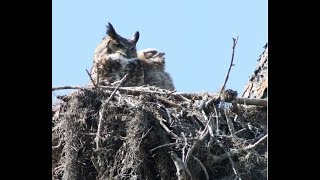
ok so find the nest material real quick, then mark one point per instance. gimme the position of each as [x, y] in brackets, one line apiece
[150, 133]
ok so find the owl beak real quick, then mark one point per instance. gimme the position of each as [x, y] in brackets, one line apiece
[122, 54]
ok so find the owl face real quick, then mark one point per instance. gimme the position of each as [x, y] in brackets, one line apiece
[153, 58]
[119, 45]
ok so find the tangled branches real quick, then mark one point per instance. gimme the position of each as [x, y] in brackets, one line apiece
[147, 135]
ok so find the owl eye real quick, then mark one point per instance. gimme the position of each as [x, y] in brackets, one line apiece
[117, 45]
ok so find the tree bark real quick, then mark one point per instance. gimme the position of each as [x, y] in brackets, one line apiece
[257, 87]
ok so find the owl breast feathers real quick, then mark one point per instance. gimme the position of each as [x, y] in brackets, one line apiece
[116, 56]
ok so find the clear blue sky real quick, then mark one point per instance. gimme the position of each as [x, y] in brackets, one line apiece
[195, 35]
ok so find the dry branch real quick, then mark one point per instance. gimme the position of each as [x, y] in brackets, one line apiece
[202, 167]
[167, 129]
[103, 108]
[251, 146]
[212, 100]
[94, 84]
[161, 146]
[201, 137]
[182, 170]
[251, 101]
[230, 123]
[230, 159]
[235, 41]
[68, 87]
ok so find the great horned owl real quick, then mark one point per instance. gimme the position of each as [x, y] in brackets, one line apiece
[116, 56]
[154, 69]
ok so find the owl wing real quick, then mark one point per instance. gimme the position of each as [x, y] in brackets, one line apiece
[134, 69]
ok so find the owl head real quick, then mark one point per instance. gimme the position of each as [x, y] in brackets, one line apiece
[119, 45]
[152, 57]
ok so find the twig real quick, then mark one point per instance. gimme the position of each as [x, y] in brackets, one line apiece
[68, 87]
[230, 124]
[144, 135]
[161, 146]
[235, 41]
[168, 130]
[201, 138]
[182, 97]
[230, 159]
[57, 146]
[217, 120]
[94, 84]
[251, 146]
[168, 102]
[95, 163]
[169, 116]
[97, 138]
[251, 101]
[184, 147]
[208, 120]
[234, 167]
[182, 169]
[202, 166]
[137, 90]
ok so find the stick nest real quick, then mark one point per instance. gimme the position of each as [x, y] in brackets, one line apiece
[150, 133]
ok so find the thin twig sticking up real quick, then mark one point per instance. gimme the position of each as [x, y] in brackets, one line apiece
[235, 41]
[94, 84]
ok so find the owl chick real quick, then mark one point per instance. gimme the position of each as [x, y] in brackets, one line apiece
[154, 69]
[116, 56]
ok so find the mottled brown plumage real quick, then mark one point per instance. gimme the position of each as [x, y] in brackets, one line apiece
[154, 69]
[116, 56]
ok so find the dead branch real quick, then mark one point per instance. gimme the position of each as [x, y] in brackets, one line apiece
[184, 147]
[95, 163]
[200, 139]
[68, 87]
[208, 120]
[138, 90]
[57, 146]
[182, 97]
[103, 108]
[230, 159]
[94, 84]
[234, 167]
[161, 146]
[202, 167]
[167, 129]
[182, 169]
[251, 101]
[251, 146]
[166, 101]
[217, 120]
[235, 41]
[230, 123]
[142, 89]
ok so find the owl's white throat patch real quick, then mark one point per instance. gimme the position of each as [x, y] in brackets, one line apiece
[119, 57]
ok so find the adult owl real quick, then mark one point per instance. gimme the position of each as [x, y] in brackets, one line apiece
[116, 56]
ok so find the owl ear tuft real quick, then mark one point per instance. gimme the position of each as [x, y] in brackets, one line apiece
[136, 37]
[111, 31]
